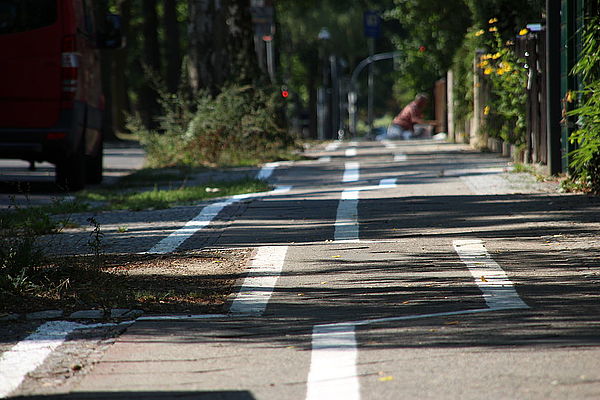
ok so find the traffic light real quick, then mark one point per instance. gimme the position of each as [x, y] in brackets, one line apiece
[285, 92]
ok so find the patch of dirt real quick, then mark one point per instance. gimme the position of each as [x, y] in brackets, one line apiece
[190, 282]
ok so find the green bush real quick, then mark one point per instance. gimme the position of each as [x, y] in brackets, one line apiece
[505, 110]
[239, 126]
[585, 160]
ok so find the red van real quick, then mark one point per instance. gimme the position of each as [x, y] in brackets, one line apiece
[51, 99]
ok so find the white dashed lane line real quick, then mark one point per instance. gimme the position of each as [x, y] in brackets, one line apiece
[498, 291]
[266, 266]
[203, 219]
[351, 172]
[30, 353]
[333, 374]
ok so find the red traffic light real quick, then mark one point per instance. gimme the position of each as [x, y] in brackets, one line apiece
[285, 94]
[422, 49]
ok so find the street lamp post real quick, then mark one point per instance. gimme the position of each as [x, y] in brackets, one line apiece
[322, 95]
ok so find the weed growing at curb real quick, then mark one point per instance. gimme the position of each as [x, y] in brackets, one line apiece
[158, 198]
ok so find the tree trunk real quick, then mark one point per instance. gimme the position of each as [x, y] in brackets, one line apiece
[201, 29]
[150, 64]
[242, 64]
[172, 46]
[119, 81]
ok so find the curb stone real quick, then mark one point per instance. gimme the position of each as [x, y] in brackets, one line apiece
[116, 313]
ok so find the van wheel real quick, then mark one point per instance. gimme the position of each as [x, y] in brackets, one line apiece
[70, 172]
[93, 166]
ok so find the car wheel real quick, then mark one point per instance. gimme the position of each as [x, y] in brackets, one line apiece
[70, 171]
[93, 166]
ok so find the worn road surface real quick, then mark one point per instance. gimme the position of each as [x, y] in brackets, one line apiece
[401, 270]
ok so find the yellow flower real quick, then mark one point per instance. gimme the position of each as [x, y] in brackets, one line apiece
[479, 32]
[488, 71]
[569, 97]
[496, 56]
[500, 71]
[523, 32]
[486, 110]
[484, 63]
[493, 29]
[493, 21]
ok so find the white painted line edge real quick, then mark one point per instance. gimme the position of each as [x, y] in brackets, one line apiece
[267, 170]
[351, 152]
[400, 157]
[351, 171]
[333, 373]
[256, 290]
[332, 146]
[181, 317]
[498, 291]
[171, 242]
[387, 183]
[28, 354]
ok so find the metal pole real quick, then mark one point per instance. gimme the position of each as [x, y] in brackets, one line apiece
[553, 110]
[371, 86]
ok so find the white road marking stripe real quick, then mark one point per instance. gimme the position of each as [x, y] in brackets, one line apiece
[325, 159]
[411, 317]
[30, 353]
[346, 219]
[353, 143]
[387, 183]
[351, 152]
[351, 172]
[180, 317]
[388, 144]
[498, 291]
[333, 373]
[258, 286]
[332, 146]
[400, 157]
[267, 169]
[203, 219]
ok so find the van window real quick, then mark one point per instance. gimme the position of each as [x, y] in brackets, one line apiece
[25, 15]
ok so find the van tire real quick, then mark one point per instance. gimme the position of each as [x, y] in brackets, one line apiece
[70, 171]
[93, 166]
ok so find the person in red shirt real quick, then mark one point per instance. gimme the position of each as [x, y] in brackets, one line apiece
[403, 125]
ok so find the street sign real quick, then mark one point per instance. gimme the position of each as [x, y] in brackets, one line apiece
[372, 23]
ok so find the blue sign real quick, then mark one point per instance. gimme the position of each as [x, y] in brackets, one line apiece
[372, 22]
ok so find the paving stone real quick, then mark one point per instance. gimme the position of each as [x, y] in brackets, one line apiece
[88, 314]
[49, 314]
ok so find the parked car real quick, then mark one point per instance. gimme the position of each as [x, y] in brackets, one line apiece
[51, 100]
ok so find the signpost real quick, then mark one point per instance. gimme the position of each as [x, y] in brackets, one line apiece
[372, 26]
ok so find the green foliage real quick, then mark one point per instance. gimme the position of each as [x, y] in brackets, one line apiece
[163, 198]
[20, 258]
[462, 68]
[585, 160]
[39, 220]
[240, 126]
[433, 32]
[505, 110]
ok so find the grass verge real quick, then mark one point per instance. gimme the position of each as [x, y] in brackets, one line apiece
[158, 198]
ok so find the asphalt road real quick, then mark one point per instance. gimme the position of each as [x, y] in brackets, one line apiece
[416, 270]
[20, 185]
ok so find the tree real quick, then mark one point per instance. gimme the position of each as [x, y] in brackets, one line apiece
[172, 45]
[432, 32]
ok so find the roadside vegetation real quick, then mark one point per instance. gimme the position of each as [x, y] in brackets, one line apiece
[240, 126]
[30, 280]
